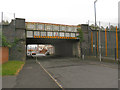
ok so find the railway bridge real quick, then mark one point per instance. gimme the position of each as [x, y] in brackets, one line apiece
[62, 37]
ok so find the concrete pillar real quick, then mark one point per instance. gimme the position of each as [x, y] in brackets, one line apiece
[86, 36]
[64, 48]
[76, 49]
[79, 49]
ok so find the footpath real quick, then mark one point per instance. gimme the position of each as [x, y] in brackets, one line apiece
[31, 76]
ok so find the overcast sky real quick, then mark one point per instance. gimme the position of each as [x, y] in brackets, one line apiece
[71, 12]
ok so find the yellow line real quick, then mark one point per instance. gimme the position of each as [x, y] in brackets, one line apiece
[50, 75]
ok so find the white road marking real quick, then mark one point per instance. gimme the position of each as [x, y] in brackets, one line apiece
[50, 75]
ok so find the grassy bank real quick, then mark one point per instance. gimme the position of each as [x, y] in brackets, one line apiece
[11, 67]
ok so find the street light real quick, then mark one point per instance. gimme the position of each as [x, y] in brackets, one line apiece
[95, 24]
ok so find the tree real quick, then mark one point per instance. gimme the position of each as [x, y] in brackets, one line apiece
[5, 22]
[102, 28]
[92, 26]
[112, 27]
[107, 28]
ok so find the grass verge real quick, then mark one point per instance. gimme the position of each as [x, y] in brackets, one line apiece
[11, 67]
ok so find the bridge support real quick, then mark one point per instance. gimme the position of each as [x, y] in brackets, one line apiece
[69, 49]
[64, 48]
[76, 49]
[15, 34]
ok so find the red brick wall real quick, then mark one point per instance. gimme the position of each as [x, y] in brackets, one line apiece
[5, 54]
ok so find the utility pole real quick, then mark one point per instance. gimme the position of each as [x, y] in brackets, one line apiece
[14, 21]
[95, 24]
[99, 42]
[1, 27]
[109, 26]
[88, 38]
[2, 18]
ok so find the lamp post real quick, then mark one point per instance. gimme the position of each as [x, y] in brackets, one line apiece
[95, 24]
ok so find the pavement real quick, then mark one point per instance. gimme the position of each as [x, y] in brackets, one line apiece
[8, 81]
[31, 76]
[76, 73]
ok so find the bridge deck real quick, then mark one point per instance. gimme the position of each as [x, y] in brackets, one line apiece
[48, 30]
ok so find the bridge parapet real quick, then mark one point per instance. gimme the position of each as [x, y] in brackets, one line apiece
[49, 30]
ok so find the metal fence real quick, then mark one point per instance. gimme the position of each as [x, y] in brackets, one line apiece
[108, 44]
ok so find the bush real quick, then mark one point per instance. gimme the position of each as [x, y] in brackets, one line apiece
[5, 43]
[80, 34]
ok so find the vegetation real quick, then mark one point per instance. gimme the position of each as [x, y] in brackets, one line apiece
[5, 43]
[93, 27]
[80, 34]
[16, 40]
[5, 22]
[112, 28]
[11, 67]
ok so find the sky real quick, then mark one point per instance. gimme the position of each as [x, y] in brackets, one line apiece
[70, 12]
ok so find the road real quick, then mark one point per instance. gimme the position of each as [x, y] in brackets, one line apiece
[76, 73]
[67, 72]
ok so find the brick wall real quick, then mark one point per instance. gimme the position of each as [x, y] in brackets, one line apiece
[5, 54]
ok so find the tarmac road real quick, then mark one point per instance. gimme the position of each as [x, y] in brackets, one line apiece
[76, 73]
[69, 72]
